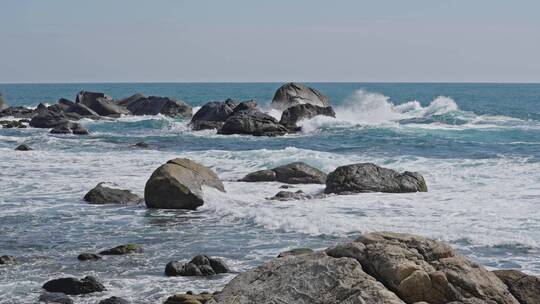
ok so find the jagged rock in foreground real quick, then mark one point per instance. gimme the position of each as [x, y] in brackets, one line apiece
[296, 113]
[252, 121]
[525, 288]
[385, 267]
[189, 298]
[293, 173]
[367, 177]
[292, 94]
[200, 265]
[178, 185]
[74, 286]
[212, 115]
[105, 193]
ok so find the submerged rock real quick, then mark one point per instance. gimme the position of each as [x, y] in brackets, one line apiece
[101, 104]
[70, 127]
[18, 112]
[54, 298]
[212, 115]
[7, 259]
[105, 193]
[8, 124]
[289, 196]
[141, 144]
[200, 265]
[74, 286]
[293, 173]
[525, 288]
[114, 300]
[154, 105]
[252, 122]
[178, 185]
[367, 177]
[123, 249]
[88, 257]
[292, 94]
[23, 147]
[189, 298]
[296, 113]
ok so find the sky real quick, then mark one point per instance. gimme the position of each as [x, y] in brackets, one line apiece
[47, 41]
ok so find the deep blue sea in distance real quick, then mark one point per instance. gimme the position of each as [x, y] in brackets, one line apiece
[477, 145]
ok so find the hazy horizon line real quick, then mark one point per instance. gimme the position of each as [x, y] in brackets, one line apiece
[263, 82]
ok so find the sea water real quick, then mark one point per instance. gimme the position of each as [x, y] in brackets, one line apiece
[477, 145]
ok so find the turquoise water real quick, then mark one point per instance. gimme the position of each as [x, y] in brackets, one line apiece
[477, 145]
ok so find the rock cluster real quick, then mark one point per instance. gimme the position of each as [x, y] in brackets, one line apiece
[200, 265]
[293, 173]
[293, 93]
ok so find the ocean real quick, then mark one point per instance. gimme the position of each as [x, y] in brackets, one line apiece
[477, 145]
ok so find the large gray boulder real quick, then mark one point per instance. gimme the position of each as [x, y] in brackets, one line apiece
[46, 118]
[525, 288]
[299, 112]
[292, 94]
[368, 177]
[212, 115]
[293, 173]
[311, 278]
[154, 105]
[74, 286]
[126, 101]
[101, 104]
[178, 185]
[252, 122]
[106, 193]
[419, 269]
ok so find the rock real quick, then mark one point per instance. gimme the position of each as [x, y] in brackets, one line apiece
[70, 127]
[23, 147]
[296, 251]
[123, 249]
[189, 298]
[126, 101]
[105, 193]
[48, 119]
[252, 122]
[178, 185]
[299, 112]
[66, 103]
[7, 259]
[17, 112]
[88, 257]
[154, 105]
[212, 115]
[54, 298]
[292, 94]
[525, 288]
[3, 103]
[74, 286]
[285, 186]
[114, 300]
[8, 124]
[141, 144]
[200, 265]
[293, 173]
[367, 177]
[82, 110]
[245, 105]
[419, 269]
[311, 278]
[289, 196]
[101, 104]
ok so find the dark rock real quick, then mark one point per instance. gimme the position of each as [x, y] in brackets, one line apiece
[296, 113]
[23, 147]
[62, 129]
[54, 298]
[70, 127]
[77, 129]
[141, 144]
[101, 104]
[105, 193]
[57, 108]
[245, 105]
[178, 185]
[18, 112]
[294, 252]
[88, 257]
[126, 101]
[8, 124]
[212, 115]
[82, 110]
[525, 288]
[293, 173]
[48, 119]
[7, 259]
[252, 122]
[154, 105]
[74, 286]
[189, 298]
[200, 265]
[114, 300]
[289, 196]
[123, 249]
[285, 187]
[367, 177]
[66, 103]
[292, 94]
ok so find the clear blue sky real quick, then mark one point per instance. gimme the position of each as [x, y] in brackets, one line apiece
[279, 40]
